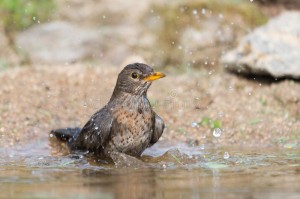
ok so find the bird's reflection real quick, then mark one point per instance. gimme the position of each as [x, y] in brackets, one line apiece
[124, 183]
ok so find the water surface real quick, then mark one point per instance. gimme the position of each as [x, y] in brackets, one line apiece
[169, 171]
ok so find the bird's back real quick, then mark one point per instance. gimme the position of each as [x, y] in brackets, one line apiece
[95, 132]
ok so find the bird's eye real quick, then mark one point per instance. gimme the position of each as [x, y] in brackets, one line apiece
[134, 75]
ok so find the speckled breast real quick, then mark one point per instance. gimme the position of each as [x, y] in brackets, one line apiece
[132, 127]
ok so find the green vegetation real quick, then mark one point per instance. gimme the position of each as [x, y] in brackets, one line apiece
[263, 101]
[20, 14]
[255, 121]
[176, 158]
[213, 124]
[3, 64]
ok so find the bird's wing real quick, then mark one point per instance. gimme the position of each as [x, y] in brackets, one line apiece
[96, 131]
[159, 127]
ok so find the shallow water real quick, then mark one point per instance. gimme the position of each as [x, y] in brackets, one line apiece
[169, 171]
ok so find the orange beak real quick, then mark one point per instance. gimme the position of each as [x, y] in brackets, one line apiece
[154, 76]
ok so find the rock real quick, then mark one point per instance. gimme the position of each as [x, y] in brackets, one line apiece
[273, 49]
[59, 42]
[211, 33]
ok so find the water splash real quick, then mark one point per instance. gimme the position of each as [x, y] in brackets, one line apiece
[217, 132]
[226, 155]
[195, 124]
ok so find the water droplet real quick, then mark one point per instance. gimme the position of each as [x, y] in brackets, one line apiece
[51, 135]
[34, 18]
[195, 124]
[226, 155]
[203, 11]
[220, 114]
[217, 132]
[202, 147]
[96, 127]
[195, 12]
[164, 166]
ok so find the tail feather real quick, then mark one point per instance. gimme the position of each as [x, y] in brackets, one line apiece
[66, 134]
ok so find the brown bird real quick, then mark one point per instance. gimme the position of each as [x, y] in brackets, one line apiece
[127, 124]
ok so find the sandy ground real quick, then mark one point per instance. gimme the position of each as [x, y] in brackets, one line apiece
[34, 100]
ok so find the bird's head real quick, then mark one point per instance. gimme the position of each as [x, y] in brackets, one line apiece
[136, 79]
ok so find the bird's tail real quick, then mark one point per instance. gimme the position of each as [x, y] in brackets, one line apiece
[66, 134]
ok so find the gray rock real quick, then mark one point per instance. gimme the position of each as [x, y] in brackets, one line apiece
[59, 42]
[273, 49]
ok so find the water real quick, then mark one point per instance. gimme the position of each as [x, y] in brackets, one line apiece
[195, 124]
[169, 171]
[226, 155]
[217, 132]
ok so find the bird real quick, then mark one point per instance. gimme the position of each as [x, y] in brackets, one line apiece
[126, 125]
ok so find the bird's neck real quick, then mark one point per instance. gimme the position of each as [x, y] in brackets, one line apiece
[119, 94]
[130, 100]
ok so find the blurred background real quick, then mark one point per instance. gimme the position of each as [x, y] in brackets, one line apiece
[163, 33]
[231, 64]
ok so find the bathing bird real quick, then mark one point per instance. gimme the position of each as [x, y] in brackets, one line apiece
[127, 124]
